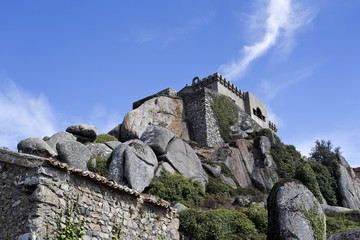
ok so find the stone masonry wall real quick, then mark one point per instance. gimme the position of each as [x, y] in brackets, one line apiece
[201, 120]
[34, 190]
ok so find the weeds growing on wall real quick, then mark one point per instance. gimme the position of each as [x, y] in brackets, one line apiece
[70, 223]
[226, 114]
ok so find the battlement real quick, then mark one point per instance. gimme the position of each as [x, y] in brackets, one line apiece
[199, 84]
[244, 100]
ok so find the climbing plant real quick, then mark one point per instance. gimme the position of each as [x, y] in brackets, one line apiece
[70, 223]
[226, 114]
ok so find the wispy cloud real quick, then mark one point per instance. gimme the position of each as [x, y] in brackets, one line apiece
[23, 115]
[270, 89]
[284, 17]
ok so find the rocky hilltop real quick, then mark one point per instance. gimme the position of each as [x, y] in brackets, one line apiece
[230, 155]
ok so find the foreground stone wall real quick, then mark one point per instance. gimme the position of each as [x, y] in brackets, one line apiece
[34, 190]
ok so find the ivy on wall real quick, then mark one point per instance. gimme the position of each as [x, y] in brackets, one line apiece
[226, 114]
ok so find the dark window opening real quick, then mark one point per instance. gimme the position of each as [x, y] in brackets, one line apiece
[257, 112]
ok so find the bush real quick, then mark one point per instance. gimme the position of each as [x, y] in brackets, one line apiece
[327, 182]
[259, 216]
[307, 176]
[226, 114]
[176, 188]
[103, 138]
[341, 222]
[101, 167]
[216, 187]
[220, 224]
[287, 159]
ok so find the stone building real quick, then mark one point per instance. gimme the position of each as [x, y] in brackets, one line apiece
[244, 100]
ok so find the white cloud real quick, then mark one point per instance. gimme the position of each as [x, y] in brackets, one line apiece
[284, 17]
[23, 115]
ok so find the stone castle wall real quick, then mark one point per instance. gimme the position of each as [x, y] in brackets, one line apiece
[245, 101]
[34, 190]
[201, 120]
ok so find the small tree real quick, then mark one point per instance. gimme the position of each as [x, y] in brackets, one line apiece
[323, 152]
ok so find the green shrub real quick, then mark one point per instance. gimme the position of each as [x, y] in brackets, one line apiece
[101, 167]
[226, 114]
[103, 138]
[341, 222]
[326, 181]
[307, 176]
[176, 188]
[317, 222]
[259, 216]
[287, 159]
[217, 188]
[220, 224]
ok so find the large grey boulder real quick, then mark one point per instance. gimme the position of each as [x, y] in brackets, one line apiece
[184, 160]
[59, 137]
[74, 153]
[99, 150]
[157, 138]
[83, 132]
[35, 146]
[140, 164]
[349, 186]
[116, 168]
[293, 211]
[161, 111]
[348, 235]
[133, 163]
[116, 131]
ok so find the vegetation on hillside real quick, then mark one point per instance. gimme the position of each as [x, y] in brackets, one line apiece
[341, 222]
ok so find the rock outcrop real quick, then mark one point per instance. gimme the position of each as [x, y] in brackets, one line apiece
[35, 146]
[349, 186]
[259, 163]
[184, 160]
[59, 137]
[157, 138]
[99, 150]
[348, 235]
[133, 163]
[294, 213]
[161, 111]
[83, 132]
[73, 153]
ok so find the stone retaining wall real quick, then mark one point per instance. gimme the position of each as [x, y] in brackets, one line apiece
[34, 190]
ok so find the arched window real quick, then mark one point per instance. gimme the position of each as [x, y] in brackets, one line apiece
[258, 113]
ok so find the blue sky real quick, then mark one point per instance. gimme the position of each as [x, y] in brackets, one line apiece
[66, 62]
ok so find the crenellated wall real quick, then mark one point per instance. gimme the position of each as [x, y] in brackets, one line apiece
[34, 190]
[244, 100]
